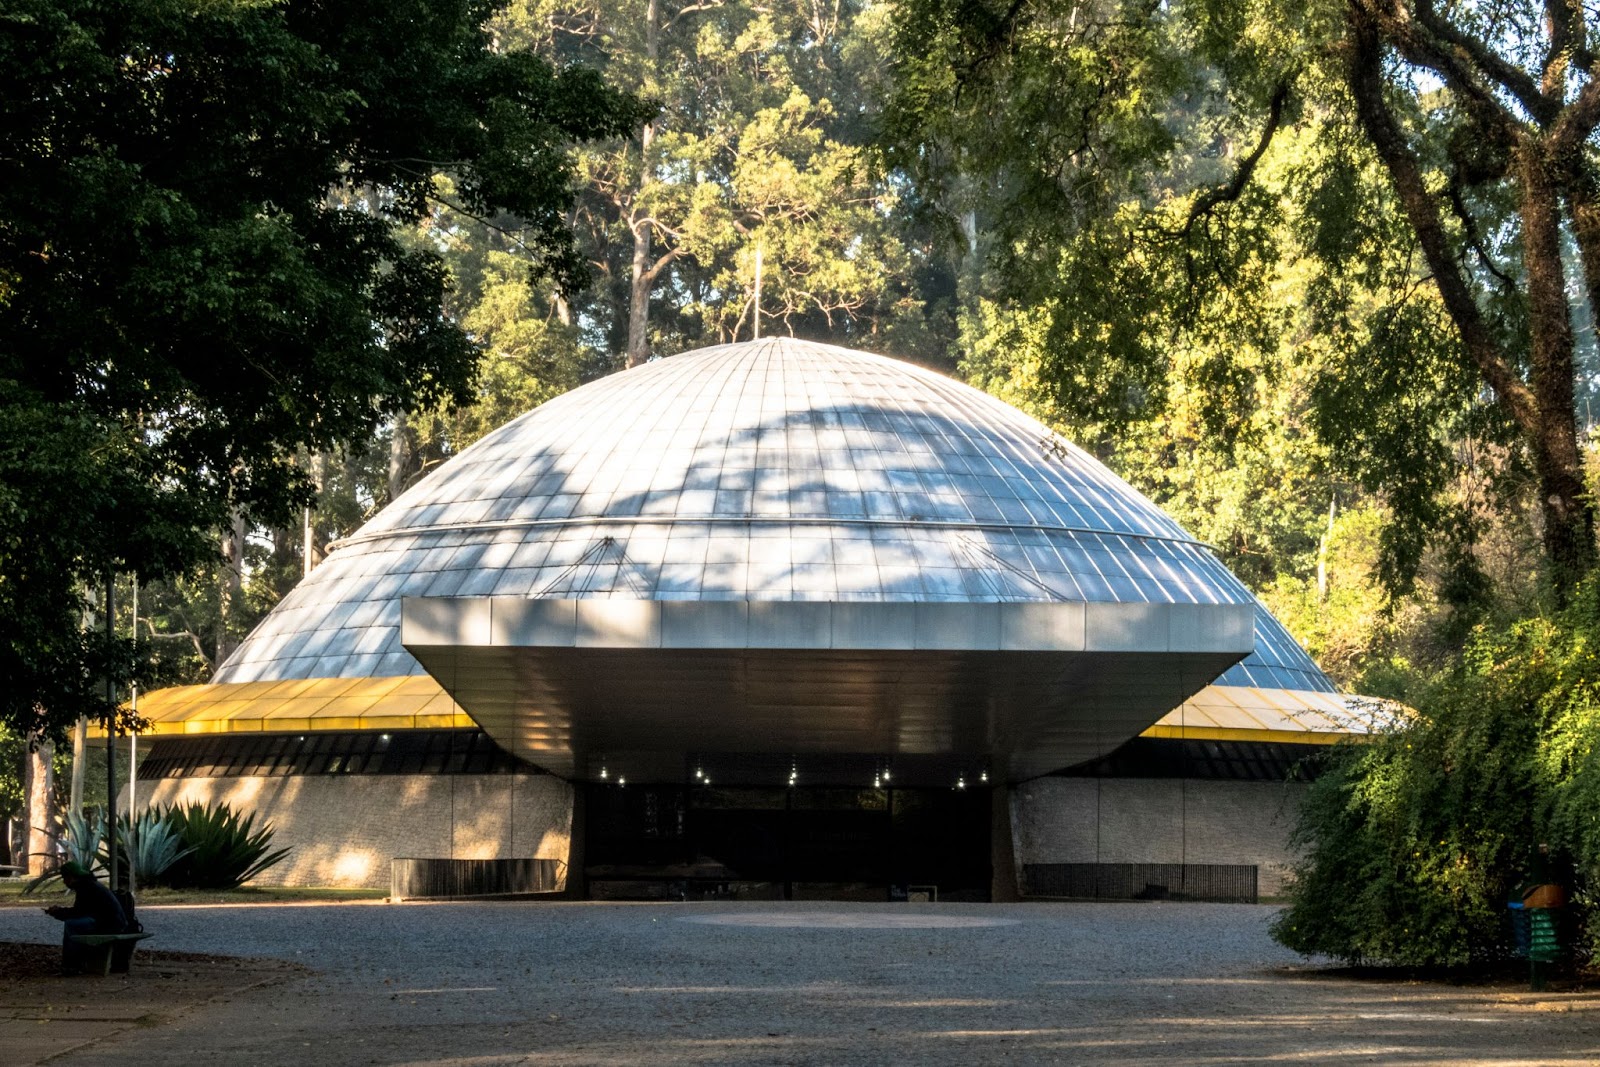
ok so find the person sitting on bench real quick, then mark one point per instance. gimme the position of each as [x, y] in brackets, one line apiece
[94, 910]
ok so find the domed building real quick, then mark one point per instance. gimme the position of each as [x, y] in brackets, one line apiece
[775, 616]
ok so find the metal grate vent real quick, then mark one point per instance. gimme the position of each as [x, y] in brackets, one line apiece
[445, 879]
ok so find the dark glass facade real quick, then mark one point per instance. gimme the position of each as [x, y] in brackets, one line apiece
[1231, 761]
[331, 752]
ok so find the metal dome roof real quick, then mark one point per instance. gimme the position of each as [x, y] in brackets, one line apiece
[766, 470]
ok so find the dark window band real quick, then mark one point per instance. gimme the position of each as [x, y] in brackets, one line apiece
[332, 752]
[1233, 761]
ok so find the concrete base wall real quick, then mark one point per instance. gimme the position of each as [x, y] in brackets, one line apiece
[343, 830]
[1158, 820]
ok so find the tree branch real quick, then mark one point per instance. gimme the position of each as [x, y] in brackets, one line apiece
[1510, 77]
[1564, 22]
[661, 264]
[1577, 120]
[1469, 225]
[1432, 43]
[1365, 75]
[511, 235]
[1231, 190]
[689, 10]
[179, 635]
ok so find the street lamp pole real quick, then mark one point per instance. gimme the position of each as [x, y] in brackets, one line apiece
[133, 754]
[111, 739]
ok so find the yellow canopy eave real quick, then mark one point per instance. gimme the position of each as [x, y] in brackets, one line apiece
[413, 702]
[416, 702]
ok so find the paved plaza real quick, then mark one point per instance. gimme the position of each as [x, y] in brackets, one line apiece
[589, 983]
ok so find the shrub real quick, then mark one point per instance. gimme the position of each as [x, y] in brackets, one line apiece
[224, 850]
[148, 845]
[1414, 842]
[81, 839]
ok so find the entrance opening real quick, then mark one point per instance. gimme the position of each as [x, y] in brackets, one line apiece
[797, 843]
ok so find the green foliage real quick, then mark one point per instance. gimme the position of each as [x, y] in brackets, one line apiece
[1350, 621]
[13, 758]
[528, 357]
[1415, 841]
[1193, 235]
[205, 269]
[761, 143]
[224, 850]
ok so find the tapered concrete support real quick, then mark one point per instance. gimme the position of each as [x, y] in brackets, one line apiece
[1003, 860]
[577, 885]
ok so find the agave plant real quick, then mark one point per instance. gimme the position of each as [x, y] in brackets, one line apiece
[224, 850]
[81, 839]
[148, 844]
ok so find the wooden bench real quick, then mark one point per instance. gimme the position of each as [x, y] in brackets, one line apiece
[105, 953]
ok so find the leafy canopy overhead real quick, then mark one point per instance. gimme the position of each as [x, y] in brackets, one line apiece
[758, 154]
[1402, 194]
[188, 291]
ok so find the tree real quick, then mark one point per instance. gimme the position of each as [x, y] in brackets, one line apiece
[1121, 155]
[759, 152]
[189, 294]
[1414, 840]
[13, 792]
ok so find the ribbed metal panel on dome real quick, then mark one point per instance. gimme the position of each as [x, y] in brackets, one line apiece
[776, 470]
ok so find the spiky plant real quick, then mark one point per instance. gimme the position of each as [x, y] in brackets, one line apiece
[80, 838]
[224, 849]
[149, 844]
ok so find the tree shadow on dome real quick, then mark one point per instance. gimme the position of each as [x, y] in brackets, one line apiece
[959, 499]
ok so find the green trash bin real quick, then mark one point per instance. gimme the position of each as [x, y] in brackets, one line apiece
[1544, 943]
[1542, 903]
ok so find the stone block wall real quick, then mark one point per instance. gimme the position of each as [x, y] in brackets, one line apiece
[1158, 820]
[343, 830]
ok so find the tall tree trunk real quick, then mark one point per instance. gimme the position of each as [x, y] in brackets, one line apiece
[313, 548]
[41, 789]
[80, 749]
[1568, 518]
[1542, 407]
[80, 729]
[232, 591]
[639, 222]
[1584, 205]
[755, 297]
[641, 281]
[559, 302]
[399, 456]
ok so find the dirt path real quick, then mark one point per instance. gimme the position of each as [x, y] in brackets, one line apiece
[43, 1016]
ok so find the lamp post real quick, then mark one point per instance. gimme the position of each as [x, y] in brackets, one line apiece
[111, 741]
[133, 753]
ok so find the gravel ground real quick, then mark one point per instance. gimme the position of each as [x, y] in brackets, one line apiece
[570, 983]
